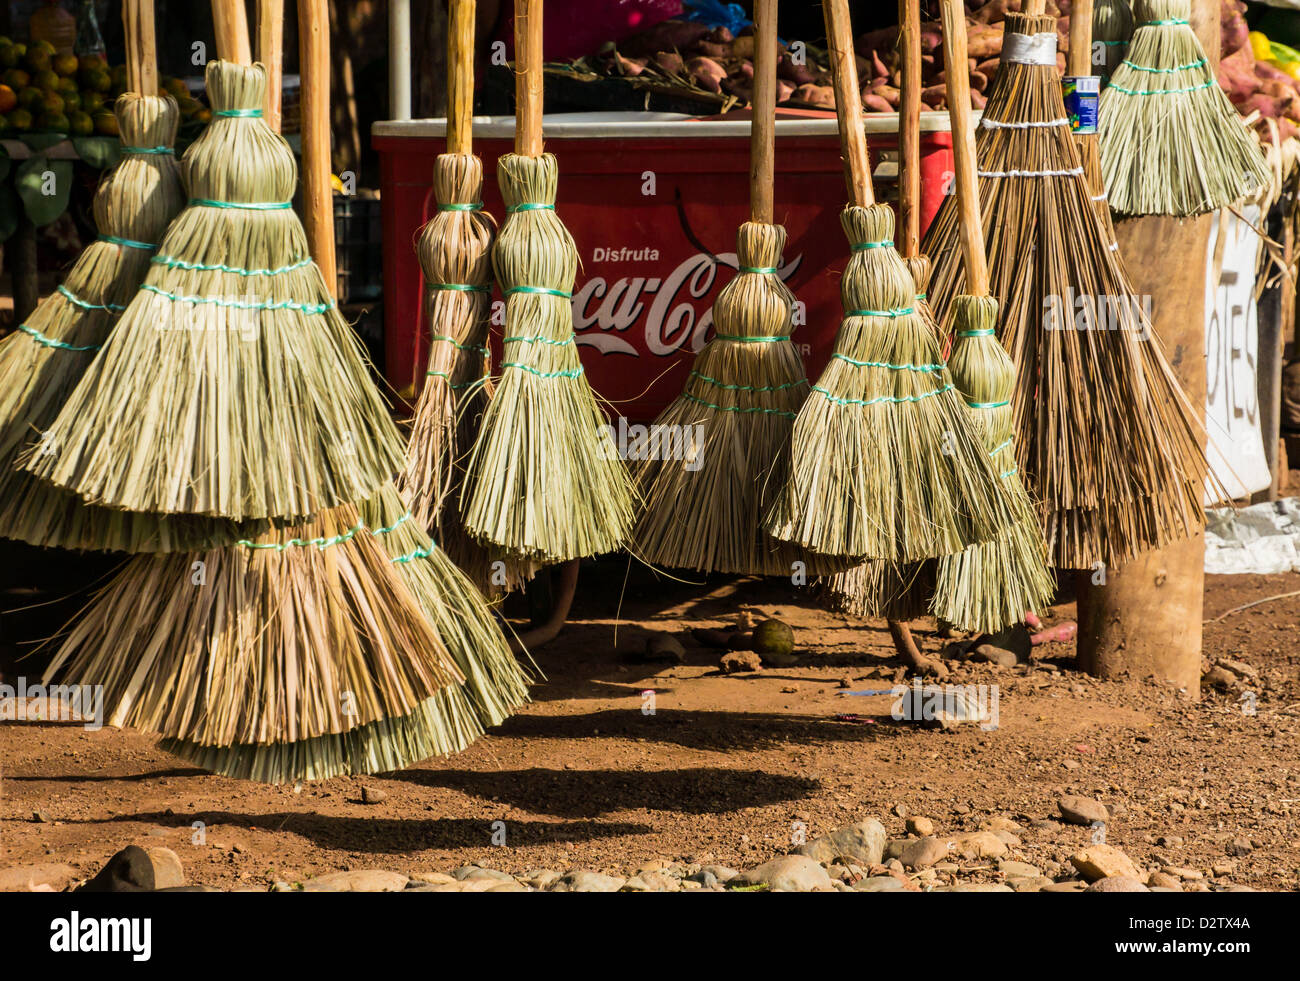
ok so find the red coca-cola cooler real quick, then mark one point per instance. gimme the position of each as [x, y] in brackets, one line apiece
[653, 201]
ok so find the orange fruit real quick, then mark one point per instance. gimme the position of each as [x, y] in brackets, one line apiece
[106, 124]
[8, 98]
[66, 64]
[16, 78]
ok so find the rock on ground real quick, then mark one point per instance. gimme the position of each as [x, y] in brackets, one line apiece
[863, 842]
[1103, 861]
[46, 877]
[1082, 810]
[789, 873]
[360, 880]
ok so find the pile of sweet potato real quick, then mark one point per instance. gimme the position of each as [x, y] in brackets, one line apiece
[1253, 85]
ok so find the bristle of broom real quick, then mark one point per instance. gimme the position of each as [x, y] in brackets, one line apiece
[1089, 148]
[1112, 27]
[495, 683]
[1171, 141]
[303, 631]
[720, 453]
[544, 480]
[231, 386]
[992, 585]
[1116, 463]
[884, 465]
[42, 361]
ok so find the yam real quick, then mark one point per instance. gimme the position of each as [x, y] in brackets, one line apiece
[1232, 22]
[669, 62]
[668, 35]
[784, 89]
[874, 103]
[815, 95]
[995, 11]
[798, 74]
[706, 73]
[983, 41]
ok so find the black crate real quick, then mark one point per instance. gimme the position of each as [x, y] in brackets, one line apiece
[359, 246]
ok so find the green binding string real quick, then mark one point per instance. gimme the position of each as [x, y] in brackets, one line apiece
[459, 346]
[886, 364]
[431, 373]
[573, 373]
[51, 342]
[743, 388]
[173, 263]
[1007, 473]
[981, 332]
[476, 206]
[892, 314]
[148, 150]
[529, 206]
[538, 340]
[988, 405]
[239, 113]
[884, 398]
[395, 525]
[1189, 88]
[1172, 22]
[737, 408]
[460, 287]
[311, 309]
[763, 270]
[128, 243]
[538, 289]
[1199, 63]
[320, 543]
[920, 296]
[243, 205]
[864, 246]
[77, 301]
[736, 339]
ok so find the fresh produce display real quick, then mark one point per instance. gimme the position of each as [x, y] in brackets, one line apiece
[42, 91]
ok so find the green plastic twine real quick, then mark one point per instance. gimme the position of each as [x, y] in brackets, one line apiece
[735, 339]
[458, 345]
[572, 373]
[239, 113]
[743, 388]
[1172, 22]
[764, 270]
[128, 243]
[892, 314]
[982, 332]
[1189, 88]
[884, 398]
[244, 205]
[523, 339]
[311, 309]
[51, 342]
[320, 543]
[476, 206]
[148, 150]
[538, 289]
[442, 374]
[529, 206]
[864, 246]
[988, 405]
[885, 364]
[77, 301]
[1199, 63]
[173, 263]
[460, 287]
[736, 408]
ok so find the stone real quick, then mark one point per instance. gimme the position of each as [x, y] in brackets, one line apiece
[656, 882]
[977, 844]
[167, 869]
[1164, 880]
[373, 795]
[989, 654]
[721, 872]
[788, 873]
[923, 852]
[1239, 846]
[664, 647]
[1118, 883]
[581, 880]
[974, 887]
[540, 878]
[1219, 869]
[511, 886]
[476, 872]
[1026, 883]
[359, 880]
[431, 878]
[1000, 823]
[44, 877]
[1007, 838]
[1071, 885]
[1240, 668]
[703, 878]
[863, 842]
[894, 848]
[42, 817]
[130, 870]
[1082, 810]
[737, 661]
[879, 883]
[1017, 869]
[1218, 677]
[1189, 875]
[922, 827]
[1103, 861]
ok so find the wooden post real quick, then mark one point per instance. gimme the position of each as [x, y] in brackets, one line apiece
[762, 119]
[848, 102]
[22, 254]
[141, 47]
[1145, 618]
[230, 23]
[528, 78]
[317, 194]
[460, 77]
[270, 52]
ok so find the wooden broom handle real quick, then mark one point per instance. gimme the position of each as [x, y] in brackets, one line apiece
[231, 26]
[848, 102]
[909, 129]
[762, 122]
[971, 227]
[460, 76]
[528, 78]
[270, 52]
[1079, 61]
[317, 194]
[1035, 7]
[141, 47]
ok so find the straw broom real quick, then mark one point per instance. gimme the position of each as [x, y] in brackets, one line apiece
[231, 386]
[884, 465]
[544, 480]
[988, 586]
[721, 450]
[455, 253]
[1079, 63]
[880, 588]
[1112, 28]
[1171, 141]
[42, 361]
[1104, 434]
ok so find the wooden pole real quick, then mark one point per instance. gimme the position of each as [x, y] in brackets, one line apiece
[460, 77]
[762, 121]
[909, 129]
[848, 102]
[141, 47]
[528, 78]
[270, 52]
[317, 194]
[1144, 619]
[1079, 60]
[970, 226]
[230, 22]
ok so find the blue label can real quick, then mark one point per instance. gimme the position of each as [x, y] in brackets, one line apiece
[1082, 98]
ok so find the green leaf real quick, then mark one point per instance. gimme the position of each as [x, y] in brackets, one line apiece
[9, 205]
[44, 186]
[101, 152]
[42, 141]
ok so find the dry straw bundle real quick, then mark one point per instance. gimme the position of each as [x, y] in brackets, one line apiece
[252, 658]
[43, 360]
[544, 480]
[1112, 29]
[884, 465]
[1171, 141]
[707, 494]
[231, 386]
[1104, 434]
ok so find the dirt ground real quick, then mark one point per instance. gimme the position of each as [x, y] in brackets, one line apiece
[727, 769]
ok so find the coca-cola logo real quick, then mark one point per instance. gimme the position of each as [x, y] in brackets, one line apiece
[670, 308]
